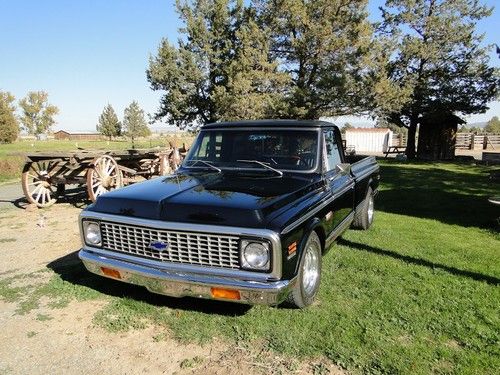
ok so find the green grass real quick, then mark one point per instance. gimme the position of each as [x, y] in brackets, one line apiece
[416, 294]
[12, 156]
[28, 290]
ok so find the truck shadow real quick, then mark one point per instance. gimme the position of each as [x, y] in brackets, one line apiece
[72, 270]
[420, 262]
[451, 197]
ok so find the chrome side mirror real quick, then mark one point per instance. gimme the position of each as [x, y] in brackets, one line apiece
[343, 168]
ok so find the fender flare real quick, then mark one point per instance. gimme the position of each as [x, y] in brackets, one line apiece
[313, 224]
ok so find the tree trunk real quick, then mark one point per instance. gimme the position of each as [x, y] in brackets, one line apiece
[410, 143]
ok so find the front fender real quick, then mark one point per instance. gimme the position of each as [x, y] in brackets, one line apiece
[313, 224]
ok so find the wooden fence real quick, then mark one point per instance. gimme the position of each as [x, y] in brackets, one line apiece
[399, 140]
[471, 141]
[464, 141]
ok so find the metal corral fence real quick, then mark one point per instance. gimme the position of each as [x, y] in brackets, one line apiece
[484, 141]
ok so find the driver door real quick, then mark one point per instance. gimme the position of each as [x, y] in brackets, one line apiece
[338, 180]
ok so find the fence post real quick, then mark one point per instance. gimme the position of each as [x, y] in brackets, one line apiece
[472, 141]
[485, 142]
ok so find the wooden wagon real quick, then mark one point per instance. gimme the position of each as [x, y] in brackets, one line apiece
[45, 175]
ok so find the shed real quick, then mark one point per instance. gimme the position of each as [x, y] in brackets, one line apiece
[437, 135]
[369, 139]
[61, 134]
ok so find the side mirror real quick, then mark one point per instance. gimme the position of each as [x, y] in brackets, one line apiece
[343, 168]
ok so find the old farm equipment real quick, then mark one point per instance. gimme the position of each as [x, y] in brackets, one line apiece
[45, 175]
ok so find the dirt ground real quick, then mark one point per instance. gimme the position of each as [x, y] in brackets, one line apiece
[64, 340]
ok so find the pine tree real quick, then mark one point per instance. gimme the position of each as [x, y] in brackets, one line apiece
[37, 114]
[134, 123]
[108, 124]
[439, 57]
[9, 127]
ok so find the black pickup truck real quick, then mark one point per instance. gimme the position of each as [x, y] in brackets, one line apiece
[246, 218]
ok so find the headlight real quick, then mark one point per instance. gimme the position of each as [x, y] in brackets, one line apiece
[92, 233]
[255, 255]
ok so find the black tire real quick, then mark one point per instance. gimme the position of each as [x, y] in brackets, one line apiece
[306, 287]
[363, 218]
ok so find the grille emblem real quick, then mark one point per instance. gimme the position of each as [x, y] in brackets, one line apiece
[158, 246]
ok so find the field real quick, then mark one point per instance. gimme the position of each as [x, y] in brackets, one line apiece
[12, 155]
[416, 294]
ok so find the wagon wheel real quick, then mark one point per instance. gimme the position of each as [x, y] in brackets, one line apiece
[37, 183]
[103, 176]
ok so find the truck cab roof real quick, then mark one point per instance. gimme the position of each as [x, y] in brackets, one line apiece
[270, 123]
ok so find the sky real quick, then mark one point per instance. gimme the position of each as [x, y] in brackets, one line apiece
[87, 54]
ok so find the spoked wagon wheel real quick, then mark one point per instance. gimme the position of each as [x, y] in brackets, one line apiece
[37, 183]
[103, 176]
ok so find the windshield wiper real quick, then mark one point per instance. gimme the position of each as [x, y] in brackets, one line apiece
[196, 161]
[262, 164]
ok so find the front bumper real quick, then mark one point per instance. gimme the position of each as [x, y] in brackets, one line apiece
[180, 284]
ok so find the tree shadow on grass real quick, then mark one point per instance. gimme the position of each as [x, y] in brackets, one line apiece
[420, 262]
[451, 197]
[71, 269]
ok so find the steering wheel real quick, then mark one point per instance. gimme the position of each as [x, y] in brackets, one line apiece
[299, 161]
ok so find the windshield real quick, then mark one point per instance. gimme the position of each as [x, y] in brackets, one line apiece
[294, 150]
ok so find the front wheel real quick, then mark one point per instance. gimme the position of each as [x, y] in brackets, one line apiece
[309, 276]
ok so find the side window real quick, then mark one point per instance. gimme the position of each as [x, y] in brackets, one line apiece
[332, 150]
[210, 147]
[203, 152]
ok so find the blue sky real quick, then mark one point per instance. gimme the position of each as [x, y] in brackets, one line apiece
[86, 54]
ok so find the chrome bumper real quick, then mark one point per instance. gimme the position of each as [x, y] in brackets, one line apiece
[180, 284]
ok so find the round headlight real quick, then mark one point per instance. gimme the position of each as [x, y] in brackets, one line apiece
[92, 234]
[256, 255]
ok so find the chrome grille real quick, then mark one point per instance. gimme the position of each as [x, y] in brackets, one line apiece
[202, 249]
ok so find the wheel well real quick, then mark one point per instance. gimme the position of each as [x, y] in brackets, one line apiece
[322, 237]
[369, 185]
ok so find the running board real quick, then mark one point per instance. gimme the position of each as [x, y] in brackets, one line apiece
[339, 230]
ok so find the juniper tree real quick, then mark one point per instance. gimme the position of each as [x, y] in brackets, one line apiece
[219, 70]
[439, 56]
[108, 123]
[325, 46]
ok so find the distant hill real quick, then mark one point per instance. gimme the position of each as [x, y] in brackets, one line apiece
[477, 124]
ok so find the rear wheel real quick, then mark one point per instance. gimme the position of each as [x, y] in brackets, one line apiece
[365, 213]
[37, 183]
[309, 276]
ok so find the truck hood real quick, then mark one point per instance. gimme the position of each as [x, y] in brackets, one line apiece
[207, 198]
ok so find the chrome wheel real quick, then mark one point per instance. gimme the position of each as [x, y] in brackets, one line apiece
[310, 275]
[371, 209]
[306, 288]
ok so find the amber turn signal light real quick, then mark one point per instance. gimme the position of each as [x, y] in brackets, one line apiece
[111, 273]
[225, 293]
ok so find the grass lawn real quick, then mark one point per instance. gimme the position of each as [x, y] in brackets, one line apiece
[416, 294]
[12, 156]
